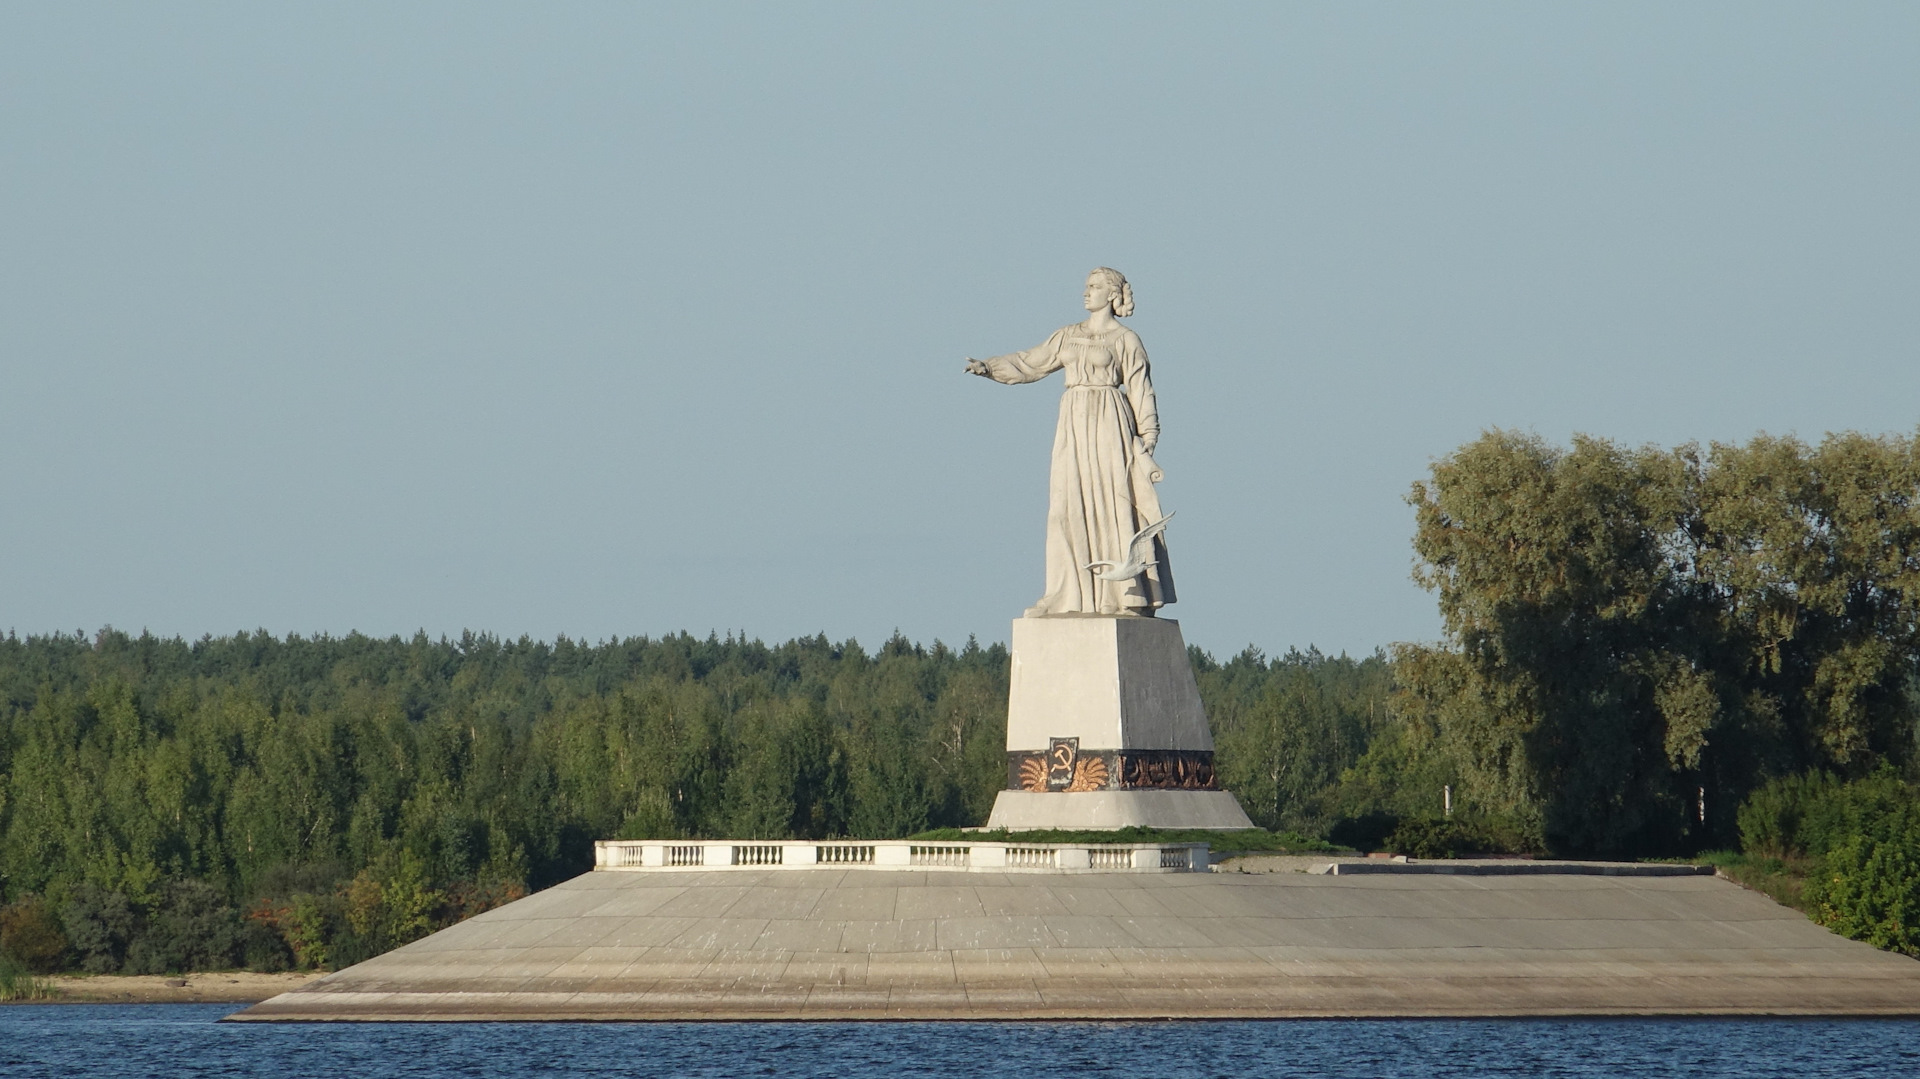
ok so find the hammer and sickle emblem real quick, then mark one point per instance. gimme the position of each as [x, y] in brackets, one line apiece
[1061, 755]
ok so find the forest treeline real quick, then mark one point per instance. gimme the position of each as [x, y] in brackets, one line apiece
[1647, 652]
[311, 801]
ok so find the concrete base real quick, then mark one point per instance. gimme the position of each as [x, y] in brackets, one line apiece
[867, 944]
[1021, 811]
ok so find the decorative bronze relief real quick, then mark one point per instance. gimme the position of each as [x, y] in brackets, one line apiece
[1065, 767]
[1170, 769]
[1032, 775]
[1089, 775]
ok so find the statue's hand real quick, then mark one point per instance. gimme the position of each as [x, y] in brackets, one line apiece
[976, 367]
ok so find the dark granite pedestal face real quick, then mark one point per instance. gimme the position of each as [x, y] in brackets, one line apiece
[872, 944]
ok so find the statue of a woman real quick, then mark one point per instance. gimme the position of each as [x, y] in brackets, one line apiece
[1100, 494]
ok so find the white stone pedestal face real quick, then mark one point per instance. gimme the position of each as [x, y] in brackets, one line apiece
[1113, 683]
[1022, 811]
[1105, 730]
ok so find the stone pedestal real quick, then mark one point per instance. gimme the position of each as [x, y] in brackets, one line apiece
[1024, 811]
[1105, 729]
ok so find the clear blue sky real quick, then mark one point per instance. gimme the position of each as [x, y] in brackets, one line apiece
[612, 318]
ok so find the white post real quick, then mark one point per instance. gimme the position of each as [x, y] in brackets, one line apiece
[1446, 794]
[1703, 805]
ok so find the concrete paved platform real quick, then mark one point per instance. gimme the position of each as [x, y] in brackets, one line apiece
[864, 944]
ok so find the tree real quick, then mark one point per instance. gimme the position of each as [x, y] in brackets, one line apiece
[1626, 628]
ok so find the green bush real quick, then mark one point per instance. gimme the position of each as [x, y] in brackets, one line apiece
[1869, 886]
[100, 925]
[188, 925]
[1770, 821]
[1452, 837]
[192, 927]
[311, 927]
[1862, 842]
[262, 949]
[1811, 815]
[1366, 832]
[1430, 838]
[30, 935]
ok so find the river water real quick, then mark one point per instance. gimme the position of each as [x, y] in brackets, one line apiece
[181, 1040]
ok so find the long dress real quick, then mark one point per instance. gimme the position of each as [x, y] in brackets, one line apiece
[1100, 491]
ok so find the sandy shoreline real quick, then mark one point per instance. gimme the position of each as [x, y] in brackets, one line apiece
[229, 987]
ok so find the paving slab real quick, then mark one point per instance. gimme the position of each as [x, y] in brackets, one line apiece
[855, 903]
[870, 944]
[632, 903]
[904, 935]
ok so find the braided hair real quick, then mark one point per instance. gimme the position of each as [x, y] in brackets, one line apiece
[1122, 292]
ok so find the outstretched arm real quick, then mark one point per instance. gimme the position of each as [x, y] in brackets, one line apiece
[1015, 367]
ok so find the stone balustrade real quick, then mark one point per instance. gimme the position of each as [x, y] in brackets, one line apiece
[650, 855]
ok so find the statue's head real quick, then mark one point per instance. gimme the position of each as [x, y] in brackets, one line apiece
[1108, 288]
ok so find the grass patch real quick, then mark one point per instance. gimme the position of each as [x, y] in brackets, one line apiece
[1250, 840]
[1783, 880]
[19, 983]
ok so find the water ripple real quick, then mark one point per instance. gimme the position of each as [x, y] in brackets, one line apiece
[184, 1040]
